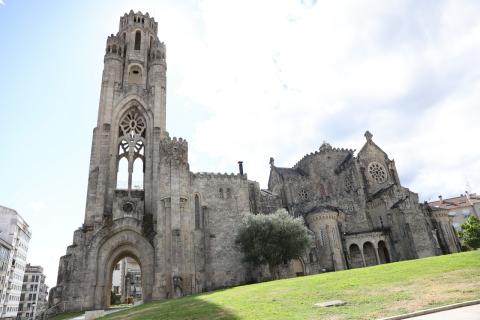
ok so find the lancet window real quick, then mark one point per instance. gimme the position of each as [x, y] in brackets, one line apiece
[131, 151]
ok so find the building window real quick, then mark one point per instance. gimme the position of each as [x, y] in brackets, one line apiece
[302, 195]
[135, 74]
[220, 193]
[197, 212]
[229, 193]
[377, 172]
[130, 158]
[138, 40]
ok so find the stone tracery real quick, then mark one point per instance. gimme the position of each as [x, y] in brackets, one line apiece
[377, 172]
[131, 147]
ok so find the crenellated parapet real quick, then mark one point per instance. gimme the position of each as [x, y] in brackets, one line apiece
[158, 52]
[220, 176]
[115, 47]
[325, 148]
[173, 149]
[134, 20]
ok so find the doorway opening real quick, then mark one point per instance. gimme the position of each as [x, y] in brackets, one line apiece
[126, 282]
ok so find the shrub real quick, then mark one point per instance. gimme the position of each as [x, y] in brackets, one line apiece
[272, 239]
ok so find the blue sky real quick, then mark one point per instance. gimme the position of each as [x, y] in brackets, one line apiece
[246, 80]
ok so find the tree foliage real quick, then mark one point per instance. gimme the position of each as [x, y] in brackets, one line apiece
[470, 232]
[272, 239]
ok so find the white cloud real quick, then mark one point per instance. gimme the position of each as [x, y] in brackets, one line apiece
[277, 78]
[2, 3]
[38, 206]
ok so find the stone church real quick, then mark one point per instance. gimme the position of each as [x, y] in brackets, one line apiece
[143, 201]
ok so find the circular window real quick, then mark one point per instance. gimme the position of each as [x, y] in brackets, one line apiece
[377, 172]
[303, 195]
[132, 124]
[128, 207]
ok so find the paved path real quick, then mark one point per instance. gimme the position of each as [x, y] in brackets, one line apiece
[82, 317]
[463, 313]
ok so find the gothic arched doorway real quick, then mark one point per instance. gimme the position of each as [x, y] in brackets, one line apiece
[383, 252]
[115, 247]
[126, 282]
[369, 254]
[356, 260]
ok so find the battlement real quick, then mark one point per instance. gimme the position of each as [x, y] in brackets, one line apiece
[138, 20]
[175, 140]
[115, 46]
[175, 149]
[324, 148]
[220, 176]
[158, 51]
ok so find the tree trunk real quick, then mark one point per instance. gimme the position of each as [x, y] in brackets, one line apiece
[274, 272]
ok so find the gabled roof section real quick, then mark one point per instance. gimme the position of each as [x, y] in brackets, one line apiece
[345, 163]
[283, 173]
[369, 144]
[290, 172]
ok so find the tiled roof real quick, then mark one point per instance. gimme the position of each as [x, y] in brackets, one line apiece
[457, 202]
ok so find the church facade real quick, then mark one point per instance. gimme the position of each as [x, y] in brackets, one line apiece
[143, 201]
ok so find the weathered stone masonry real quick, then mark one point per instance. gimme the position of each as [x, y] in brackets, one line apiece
[143, 201]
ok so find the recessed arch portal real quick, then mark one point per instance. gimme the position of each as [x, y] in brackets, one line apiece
[124, 243]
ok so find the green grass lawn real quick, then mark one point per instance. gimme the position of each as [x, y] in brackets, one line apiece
[370, 293]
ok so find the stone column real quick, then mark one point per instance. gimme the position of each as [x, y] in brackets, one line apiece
[328, 219]
[375, 246]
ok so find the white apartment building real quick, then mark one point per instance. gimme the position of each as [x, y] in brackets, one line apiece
[33, 300]
[14, 231]
[5, 252]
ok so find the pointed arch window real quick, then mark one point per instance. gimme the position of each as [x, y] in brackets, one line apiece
[131, 151]
[138, 40]
[197, 212]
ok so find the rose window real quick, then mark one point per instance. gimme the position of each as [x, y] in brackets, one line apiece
[377, 172]
[303, 195]
[132, 124]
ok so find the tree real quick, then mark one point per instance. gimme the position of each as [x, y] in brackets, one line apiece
[272, 239]
[470, 233]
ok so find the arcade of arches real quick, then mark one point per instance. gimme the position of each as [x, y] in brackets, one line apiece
[368, 254]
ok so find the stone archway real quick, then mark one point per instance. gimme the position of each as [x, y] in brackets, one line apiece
[123, 254]
[356, 260]
[383, 254]
[369, 254]
[119, 245]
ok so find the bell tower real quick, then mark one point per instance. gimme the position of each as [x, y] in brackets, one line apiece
[131, 122]
[134, 63]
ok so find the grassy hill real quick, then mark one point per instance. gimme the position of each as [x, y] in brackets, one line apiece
[370, 293]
